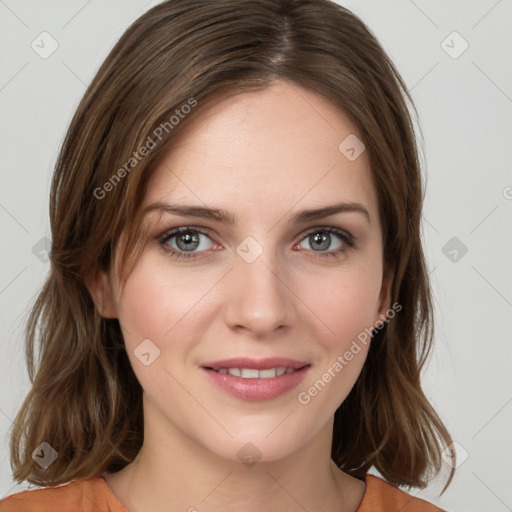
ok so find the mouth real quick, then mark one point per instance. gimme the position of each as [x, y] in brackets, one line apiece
[250, 379]
[251, 364]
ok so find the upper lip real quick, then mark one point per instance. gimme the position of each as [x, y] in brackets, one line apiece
[258, 364]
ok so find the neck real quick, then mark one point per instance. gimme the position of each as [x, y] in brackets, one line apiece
[174, 473]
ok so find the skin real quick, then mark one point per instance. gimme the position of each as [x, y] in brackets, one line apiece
[262, 156]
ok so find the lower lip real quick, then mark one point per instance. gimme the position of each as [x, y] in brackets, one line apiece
[257, 389]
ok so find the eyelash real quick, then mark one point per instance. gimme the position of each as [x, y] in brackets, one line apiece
[347, 239]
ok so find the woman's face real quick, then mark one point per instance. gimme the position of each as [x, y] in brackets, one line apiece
[264, 286]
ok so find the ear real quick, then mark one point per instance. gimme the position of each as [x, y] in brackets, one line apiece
[385, 296]
[99, 286]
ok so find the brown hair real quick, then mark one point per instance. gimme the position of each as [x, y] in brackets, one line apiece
[85, 400]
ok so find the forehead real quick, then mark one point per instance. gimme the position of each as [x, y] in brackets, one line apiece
[264, 152]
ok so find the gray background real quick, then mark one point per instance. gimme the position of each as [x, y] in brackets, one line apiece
[464, 101]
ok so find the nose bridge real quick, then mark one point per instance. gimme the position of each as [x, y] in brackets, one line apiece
[259, 296]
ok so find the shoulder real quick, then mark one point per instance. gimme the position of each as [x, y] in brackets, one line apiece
[380, 496]
[77, 496]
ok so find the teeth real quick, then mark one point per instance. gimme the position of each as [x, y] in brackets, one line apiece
[248, 373]
[252, 373]
[271, 372]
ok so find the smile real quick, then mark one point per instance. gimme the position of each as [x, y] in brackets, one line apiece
[250, 378]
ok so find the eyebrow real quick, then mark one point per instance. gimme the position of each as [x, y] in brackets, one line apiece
[221, 215]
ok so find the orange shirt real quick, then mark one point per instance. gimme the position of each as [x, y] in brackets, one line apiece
[94, 495]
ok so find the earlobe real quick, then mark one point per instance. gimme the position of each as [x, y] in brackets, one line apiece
[100, 288]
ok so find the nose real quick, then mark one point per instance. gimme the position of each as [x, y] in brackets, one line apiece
[258, 296]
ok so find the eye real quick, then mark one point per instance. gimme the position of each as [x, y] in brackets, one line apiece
[187, 242]
[322, 238]
[184, 241]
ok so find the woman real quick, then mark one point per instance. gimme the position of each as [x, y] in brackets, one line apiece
[238, 307]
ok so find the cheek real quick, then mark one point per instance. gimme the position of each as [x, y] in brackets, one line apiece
[156, 305]
[159, 307]
[344, 302]
[343, 306]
